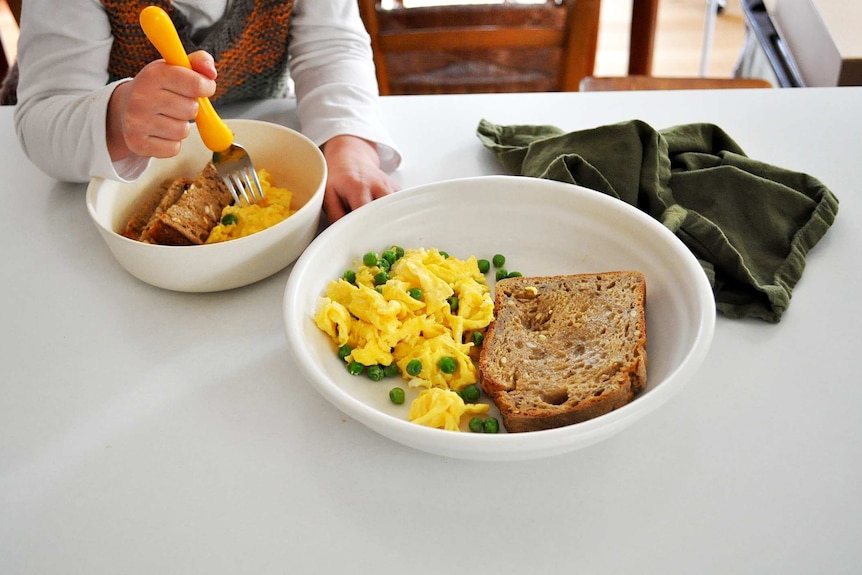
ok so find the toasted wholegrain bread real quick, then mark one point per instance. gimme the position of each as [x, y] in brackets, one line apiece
[152, 206]
[190, 219]
[564, 349]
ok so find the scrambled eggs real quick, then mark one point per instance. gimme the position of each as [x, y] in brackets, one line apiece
[274, 208]
[385, 324]
[442, 409]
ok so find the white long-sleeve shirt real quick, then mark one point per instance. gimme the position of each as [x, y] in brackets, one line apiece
[63, 90]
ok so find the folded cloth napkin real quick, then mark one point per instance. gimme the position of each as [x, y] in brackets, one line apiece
[750, 224]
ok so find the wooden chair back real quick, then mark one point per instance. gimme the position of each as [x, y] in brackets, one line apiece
[505, 47]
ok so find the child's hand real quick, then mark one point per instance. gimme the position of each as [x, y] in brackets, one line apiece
[149, 115]
[354, 178]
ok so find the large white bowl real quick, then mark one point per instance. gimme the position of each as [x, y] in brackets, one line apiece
[294, 162]
[543, 228]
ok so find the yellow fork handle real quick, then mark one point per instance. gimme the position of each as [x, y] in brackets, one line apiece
[161, 32]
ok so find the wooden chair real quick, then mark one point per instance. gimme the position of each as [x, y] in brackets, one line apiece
[466, 48]
[612, 83]
[642, 36]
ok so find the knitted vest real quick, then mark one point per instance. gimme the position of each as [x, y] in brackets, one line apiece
[249, 45]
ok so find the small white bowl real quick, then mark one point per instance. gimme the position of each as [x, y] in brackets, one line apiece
[543, 228]
[295, 164]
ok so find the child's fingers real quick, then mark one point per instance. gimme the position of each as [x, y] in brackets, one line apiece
[202, 63]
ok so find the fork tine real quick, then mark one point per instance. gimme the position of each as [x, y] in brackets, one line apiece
[240, 186]
[239, 175]
[256, 189]
[248, 187]
[234, 187]
[231, 188]
[241, 191]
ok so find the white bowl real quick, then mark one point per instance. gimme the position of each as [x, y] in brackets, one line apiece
[294, 162]
[543, 228]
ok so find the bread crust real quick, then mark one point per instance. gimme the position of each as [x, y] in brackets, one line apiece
[565, 349]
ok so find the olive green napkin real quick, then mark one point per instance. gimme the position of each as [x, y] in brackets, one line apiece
[750, 224]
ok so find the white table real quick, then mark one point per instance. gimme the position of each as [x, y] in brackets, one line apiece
[144, 431]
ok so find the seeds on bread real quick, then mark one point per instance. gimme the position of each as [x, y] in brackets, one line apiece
[565, 349]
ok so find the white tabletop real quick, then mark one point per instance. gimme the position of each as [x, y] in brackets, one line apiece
[144, 431]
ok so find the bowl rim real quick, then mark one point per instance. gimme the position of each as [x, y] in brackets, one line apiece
[314, 202]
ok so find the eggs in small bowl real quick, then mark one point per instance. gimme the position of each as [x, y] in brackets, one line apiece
[294, 163]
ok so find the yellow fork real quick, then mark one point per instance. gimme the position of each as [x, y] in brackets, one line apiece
[229, 158]
[160, 30]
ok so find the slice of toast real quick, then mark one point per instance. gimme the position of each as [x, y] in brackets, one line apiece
[154, 205]
[192, 217]
[565, 349]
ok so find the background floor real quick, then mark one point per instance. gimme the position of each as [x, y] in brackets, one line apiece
[679, 38]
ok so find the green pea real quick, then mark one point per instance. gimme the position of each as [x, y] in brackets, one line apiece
[498, 260]
[391, 370]
[478, 338]
[399, 252]
[350, 276]
[384, 264]
[414, 367]
[370, 259]
[374, 372]
[514, 275]
[491, 425]
[344, 351]
[355, 368]
[415, 293]
[484, 266]
[389, 256]
[476, 425]
[453, 303]
[228, 220]
[501, 274]
[471, 393]
[447, 364]
[396, 395]
[444, 254]
[381, 278]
